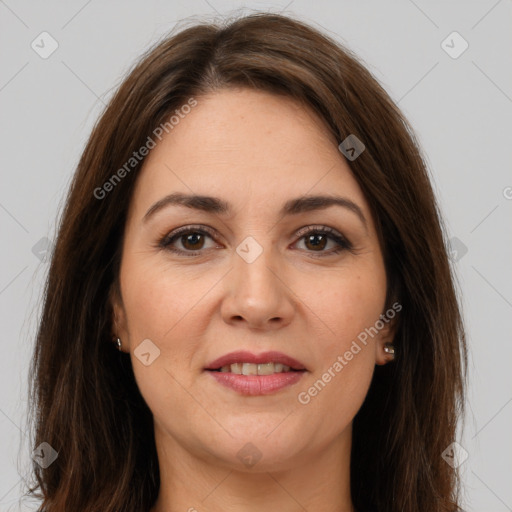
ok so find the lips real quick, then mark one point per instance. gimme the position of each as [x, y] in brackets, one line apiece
[256, 374]
[240, 357]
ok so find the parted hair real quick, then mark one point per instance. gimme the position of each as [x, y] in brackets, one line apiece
[83, 397]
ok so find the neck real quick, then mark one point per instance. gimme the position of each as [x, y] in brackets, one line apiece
[195, 483]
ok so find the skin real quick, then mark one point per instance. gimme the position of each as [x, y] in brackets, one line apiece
[256, 151]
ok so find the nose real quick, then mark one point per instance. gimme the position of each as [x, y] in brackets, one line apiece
[257, 294]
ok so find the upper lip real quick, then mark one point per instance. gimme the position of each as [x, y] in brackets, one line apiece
[243, 356]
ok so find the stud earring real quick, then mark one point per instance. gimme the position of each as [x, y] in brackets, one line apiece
[389, 348]
[118, 343]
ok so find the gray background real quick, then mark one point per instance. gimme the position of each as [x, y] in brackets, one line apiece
[460, 108]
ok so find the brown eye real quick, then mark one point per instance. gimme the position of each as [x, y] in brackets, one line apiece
[189, 241]
[316, 241]
[322, 240]
[192, 241]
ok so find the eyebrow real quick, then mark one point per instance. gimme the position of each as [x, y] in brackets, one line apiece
[218, 206]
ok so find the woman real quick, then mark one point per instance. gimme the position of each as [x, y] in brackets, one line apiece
[252, 226]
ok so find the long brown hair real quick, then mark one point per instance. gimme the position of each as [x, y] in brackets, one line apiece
[85, 401]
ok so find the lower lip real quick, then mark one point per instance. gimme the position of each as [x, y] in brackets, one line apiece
[257, 384]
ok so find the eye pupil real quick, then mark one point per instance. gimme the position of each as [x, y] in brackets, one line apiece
[313, 239]
[192, 239]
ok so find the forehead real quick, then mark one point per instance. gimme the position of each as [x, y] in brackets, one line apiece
[241, 144]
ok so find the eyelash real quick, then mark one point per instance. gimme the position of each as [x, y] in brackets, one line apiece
[343, 244]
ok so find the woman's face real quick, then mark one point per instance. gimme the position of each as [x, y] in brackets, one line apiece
[256, 272]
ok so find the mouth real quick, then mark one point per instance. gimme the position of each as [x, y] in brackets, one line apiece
[256, 374]
[246, 363]
[269, 368]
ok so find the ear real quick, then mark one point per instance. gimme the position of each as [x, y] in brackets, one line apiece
[385, 336]
[118, 321]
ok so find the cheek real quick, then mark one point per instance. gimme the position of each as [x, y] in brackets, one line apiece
[167, 307]
[345, 303]
[161, 300]
[336, 396]
[163, 306]
[344, 365]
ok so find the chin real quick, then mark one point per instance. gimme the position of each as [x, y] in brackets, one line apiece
[258, 448]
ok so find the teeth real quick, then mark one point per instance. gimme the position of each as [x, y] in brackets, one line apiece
[266, 369]
[249, 369]
[235, 368]
[255, 369]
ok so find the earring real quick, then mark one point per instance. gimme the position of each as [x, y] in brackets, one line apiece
[118, 343]
[389, 348]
